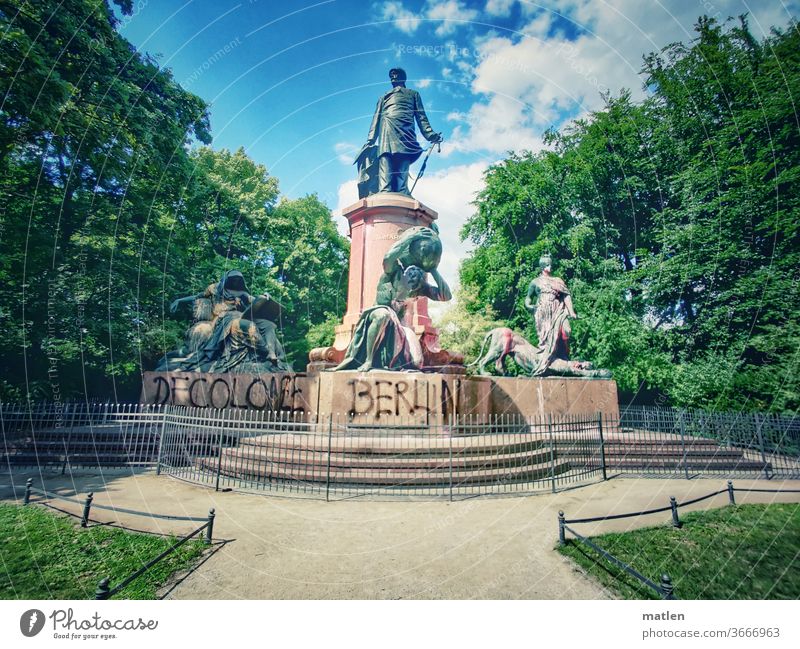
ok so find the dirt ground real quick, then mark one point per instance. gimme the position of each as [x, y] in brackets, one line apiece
[287, 548]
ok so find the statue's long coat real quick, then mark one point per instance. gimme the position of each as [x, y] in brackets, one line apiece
[391, 133]
[392, 128]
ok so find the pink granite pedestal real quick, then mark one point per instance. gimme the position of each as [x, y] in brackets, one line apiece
[376, 223]
[384, 397]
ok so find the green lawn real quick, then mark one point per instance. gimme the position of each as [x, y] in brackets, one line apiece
[48, 556]
[736, 552]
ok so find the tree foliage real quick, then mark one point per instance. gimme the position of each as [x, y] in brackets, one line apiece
[109, 209]
[463, 327]
[674, 221]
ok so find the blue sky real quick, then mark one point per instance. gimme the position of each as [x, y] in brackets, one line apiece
[295, 83]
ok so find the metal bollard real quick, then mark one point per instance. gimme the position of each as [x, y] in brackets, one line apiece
[103, 591]
[86, 507]
[676, 522]
[731, 497]
[562, 537]
[28, 487]
[667, 589]
[210, 528]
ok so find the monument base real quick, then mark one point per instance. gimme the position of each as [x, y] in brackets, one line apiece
[361, 431]
[383, 397]
[279, 392]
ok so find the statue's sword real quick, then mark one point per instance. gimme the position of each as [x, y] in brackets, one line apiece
[425, 163]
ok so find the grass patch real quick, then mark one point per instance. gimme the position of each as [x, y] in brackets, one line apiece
[47, 556]
[736, 552]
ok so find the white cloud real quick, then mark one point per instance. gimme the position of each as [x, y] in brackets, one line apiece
[501, 125]
[452, 13]
[346, 196]
[405, 20]
[447, 15]
[551, 76]
[503, 7]
[345, 152]
[539, 27]
[423, 83]
[527, 84]
[450, 191]
[499, 7]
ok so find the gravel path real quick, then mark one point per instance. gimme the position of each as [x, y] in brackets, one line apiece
[286, 548]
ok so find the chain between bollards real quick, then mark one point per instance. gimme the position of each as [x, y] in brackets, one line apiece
[562, 538]
[86, 508]
[731, 497]
[676, 522]
[28, 487]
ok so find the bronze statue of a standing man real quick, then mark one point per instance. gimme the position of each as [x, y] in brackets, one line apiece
[392, 141]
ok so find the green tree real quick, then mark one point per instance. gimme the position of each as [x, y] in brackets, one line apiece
[673, 221]
[465, 324]
[107, 212]
[730, 249]
[93, 153]
[291, 249]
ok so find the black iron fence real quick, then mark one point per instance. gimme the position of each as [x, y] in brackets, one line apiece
[80, 435]
[754, 443]
[331, 456]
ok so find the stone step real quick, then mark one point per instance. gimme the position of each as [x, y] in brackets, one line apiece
[83, 459]
[247, 456]
[384, 477]
[84, 440]
[119, 428]
[428, 446]
[692, 464]
[660, 443]
[638, 453]
[85, 444]
[102, 449]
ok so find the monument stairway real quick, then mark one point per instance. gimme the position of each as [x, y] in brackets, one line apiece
[665, 453]
[107, 445]
[389, 460]
[404, 455]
